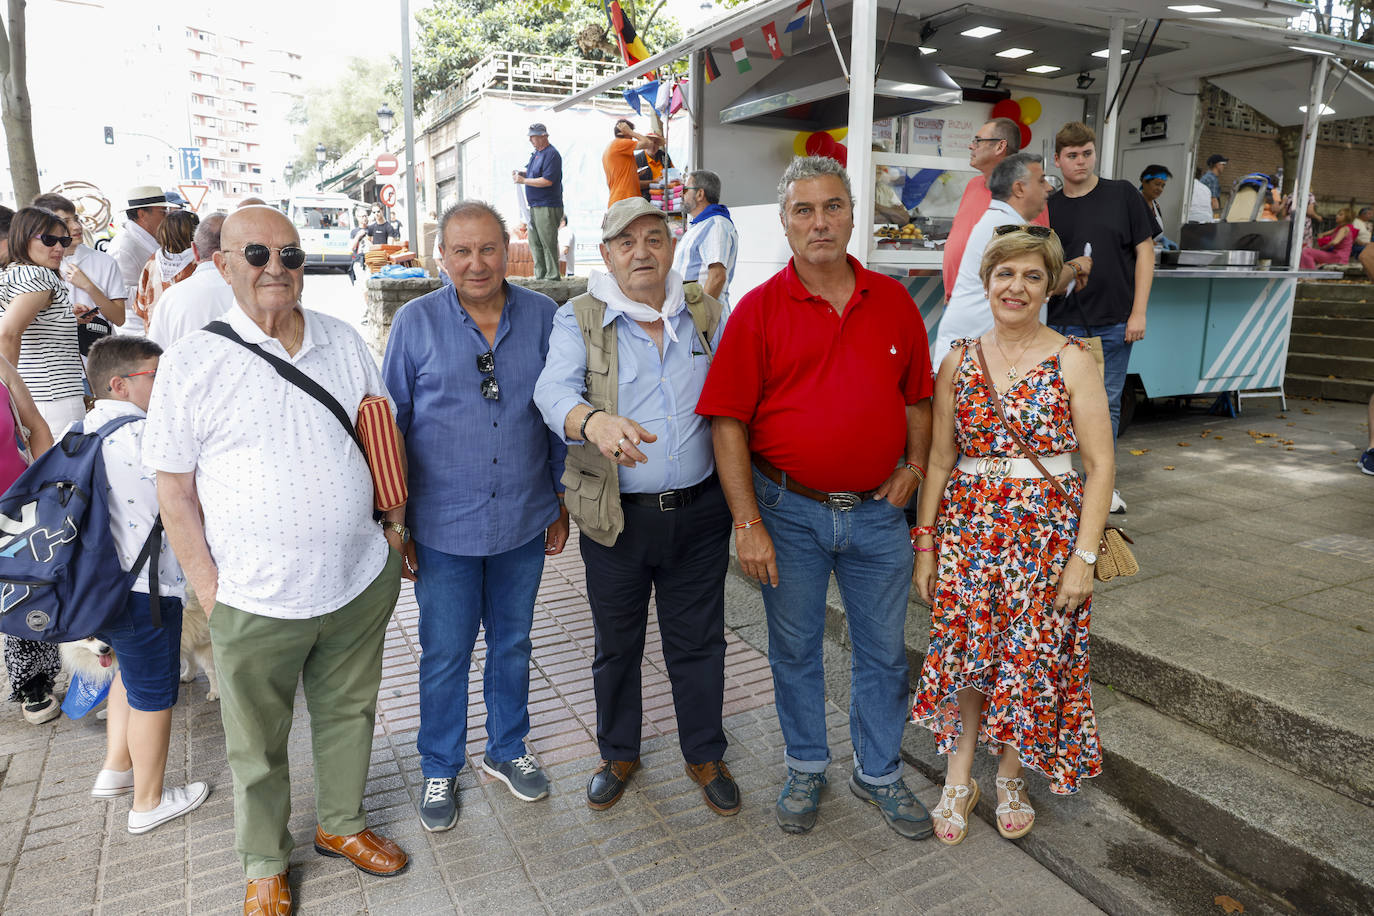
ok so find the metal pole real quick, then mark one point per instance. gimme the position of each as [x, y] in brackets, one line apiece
[408, 103]
[1111, 127]
[1306, 154]
[862, 58]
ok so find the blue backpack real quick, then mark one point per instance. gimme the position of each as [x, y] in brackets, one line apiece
[60, 578]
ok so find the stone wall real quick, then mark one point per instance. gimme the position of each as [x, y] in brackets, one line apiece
[385, 297]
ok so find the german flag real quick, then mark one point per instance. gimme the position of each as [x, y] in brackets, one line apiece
[712, 71]
[631, 48]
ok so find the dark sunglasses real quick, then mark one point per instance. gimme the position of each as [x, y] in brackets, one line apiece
[1039, 232]
[977, 139]
[486, 364]
[257, 255]
[50, 240]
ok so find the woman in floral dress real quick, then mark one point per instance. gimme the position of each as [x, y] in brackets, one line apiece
[1004, 560]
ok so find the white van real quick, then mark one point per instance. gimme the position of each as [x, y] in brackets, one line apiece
[325, 224]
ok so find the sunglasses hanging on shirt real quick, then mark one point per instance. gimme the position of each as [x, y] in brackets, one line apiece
[486, 364]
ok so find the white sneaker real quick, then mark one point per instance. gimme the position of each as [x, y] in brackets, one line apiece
[175, 803]
[113, 783]
[1118, 504]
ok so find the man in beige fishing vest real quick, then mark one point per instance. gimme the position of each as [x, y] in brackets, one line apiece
[625, 367]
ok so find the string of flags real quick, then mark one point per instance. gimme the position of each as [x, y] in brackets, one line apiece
[800, 15]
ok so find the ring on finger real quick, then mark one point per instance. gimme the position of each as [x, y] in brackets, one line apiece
[615, 454]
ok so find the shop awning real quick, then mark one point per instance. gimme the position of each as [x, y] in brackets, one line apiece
[1279, 92]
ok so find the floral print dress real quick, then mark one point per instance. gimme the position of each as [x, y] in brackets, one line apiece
[1002, 546]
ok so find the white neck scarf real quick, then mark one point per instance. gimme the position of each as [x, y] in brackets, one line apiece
[172, 264]
[604, 287]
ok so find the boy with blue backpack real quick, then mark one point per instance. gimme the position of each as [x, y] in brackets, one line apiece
[121, 370]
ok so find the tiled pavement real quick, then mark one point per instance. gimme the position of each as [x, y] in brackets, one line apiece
[659, 850]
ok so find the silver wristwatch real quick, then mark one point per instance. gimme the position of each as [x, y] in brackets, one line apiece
[1087, 556]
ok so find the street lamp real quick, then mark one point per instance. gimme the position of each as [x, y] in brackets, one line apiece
[290, 171]
[319, 155]
[385, 118]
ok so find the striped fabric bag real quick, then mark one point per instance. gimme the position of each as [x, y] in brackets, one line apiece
[381, 442]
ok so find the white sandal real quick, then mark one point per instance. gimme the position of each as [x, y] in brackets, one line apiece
[948, 797]
[1013, 786]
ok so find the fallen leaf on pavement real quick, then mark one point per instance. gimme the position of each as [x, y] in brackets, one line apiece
[1139, 451]
[1217, 438]
[1185, 445]
[1170, 467]
[1228, 904]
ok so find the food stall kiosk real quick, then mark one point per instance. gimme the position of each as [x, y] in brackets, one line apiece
[898, 87]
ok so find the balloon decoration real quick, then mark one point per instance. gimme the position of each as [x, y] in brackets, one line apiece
[822, 143]
[1025, 112]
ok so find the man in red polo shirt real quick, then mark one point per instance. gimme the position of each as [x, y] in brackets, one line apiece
[822, 383]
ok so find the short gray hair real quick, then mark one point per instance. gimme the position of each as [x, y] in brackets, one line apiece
[709, 183]
[467, 209]
[803, 168]
[1009, 171]
[207, 235]
[1008, 131]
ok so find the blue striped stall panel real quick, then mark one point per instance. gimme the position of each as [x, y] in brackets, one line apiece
[1248, 325]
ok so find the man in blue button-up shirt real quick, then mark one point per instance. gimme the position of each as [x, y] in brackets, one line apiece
[676, 527]
[485, 505]
[543, 181]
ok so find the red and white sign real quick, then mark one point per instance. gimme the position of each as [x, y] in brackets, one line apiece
[387, 164]
[194, 194]
[387, 195]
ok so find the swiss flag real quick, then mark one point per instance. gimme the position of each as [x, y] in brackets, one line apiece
[770, 36]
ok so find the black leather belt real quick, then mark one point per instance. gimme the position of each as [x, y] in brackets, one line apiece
[669, 500]
[842, 501]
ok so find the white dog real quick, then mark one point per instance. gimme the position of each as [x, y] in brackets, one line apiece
[95, 661]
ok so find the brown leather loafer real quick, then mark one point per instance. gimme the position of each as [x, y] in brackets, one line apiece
[371, 853]
[717, 786]
[608, 783]
[268, 897]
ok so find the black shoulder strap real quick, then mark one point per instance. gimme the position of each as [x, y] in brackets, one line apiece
[294, 376]
[151, 548]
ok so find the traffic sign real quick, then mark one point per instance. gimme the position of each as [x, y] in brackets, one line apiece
[388, 195]
[194, 194]
[190, 164]
[387, 164]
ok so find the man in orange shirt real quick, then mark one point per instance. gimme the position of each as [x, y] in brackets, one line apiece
[622, 175]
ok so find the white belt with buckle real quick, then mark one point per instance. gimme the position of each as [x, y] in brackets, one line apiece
[998, 467]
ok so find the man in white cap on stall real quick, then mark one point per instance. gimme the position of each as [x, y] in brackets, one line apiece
[145, 209]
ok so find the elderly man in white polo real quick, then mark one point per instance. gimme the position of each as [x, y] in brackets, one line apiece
[298, 579]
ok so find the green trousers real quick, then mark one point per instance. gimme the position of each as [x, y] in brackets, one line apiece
[544, 241]
[338, 659]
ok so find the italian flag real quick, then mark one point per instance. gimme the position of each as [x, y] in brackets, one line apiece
[741, 56]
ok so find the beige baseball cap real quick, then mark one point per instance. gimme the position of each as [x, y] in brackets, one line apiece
[624, 212]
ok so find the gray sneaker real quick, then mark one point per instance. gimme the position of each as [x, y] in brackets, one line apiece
[900, 808]
[800, 801]
[439, 808]
[523, 776]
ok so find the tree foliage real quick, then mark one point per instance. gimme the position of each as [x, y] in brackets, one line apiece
[343, 110]
[455, 34]
[15, 105]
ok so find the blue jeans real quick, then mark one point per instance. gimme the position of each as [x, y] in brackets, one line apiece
[868, 549]
[455, 595]
[1116, 356]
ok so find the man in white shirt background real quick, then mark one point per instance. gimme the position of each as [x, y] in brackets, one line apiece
[1019, 192]
[146, 208]
[706, 254]
[199, 299]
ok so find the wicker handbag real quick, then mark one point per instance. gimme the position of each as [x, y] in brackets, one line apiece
[1114, 557]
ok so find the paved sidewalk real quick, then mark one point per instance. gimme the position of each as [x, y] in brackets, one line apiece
[659, 850]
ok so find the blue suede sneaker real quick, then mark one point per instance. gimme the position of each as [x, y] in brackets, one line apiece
[799, 801]
[523, 776]
[1367, 462]
[900, 808]
[439, 808]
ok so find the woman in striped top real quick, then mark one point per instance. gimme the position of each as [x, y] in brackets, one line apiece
[37, 324]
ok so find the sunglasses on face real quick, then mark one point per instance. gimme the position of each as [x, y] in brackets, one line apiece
[1039, 232]
[486, 364]
[50, 240]
[257, 255]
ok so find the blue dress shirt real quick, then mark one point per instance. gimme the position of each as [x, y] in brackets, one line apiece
[658, 392]
[484, 475]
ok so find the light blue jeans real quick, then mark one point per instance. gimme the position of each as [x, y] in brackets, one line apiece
[1116, 356]
[868, 548]
[455, 595]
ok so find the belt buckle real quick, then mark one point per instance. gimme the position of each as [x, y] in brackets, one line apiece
[994, 466]
[669, 496]
[842, 501]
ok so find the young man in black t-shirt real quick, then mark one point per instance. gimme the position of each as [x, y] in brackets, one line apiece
[1114, 219]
